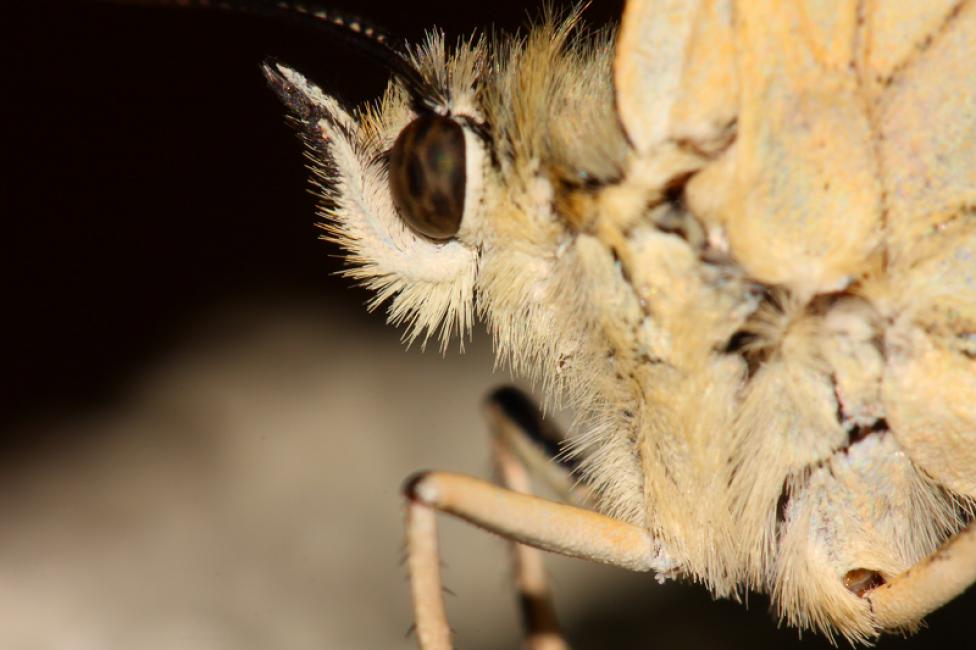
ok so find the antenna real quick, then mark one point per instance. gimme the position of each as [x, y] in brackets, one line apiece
[369, 39]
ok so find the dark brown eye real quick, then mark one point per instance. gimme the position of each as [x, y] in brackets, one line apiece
[427, 176]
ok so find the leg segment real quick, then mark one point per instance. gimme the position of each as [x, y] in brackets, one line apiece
[539, 622]
[529, 522]
[423, 562]
[525, 444]
[541, 523]
[522, 438]
[928, 585]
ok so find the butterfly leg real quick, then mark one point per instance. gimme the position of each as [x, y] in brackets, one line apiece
[928, 585]
[514, 514]
[523, 444]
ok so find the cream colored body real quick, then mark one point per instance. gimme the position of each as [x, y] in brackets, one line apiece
[755, 284]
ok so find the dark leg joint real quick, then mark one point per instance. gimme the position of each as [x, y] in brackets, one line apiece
[411, 485]
[861, 581]
[538, 616]
[516, 407]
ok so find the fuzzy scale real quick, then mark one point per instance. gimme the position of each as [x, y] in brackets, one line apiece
[760, 300]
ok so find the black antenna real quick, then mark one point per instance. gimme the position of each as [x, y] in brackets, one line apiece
[368, 38]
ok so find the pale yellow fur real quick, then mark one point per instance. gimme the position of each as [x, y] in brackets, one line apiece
[623, 304]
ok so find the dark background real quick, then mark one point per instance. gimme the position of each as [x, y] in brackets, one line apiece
[151, 179]
[151, 173]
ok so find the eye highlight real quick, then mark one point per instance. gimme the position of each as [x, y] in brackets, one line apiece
[428, 175]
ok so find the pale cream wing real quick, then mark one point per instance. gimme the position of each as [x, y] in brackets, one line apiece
[674, 74]
[926, 113]
[798, 193]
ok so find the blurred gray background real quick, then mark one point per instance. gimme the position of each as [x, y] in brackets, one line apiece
[203, 433]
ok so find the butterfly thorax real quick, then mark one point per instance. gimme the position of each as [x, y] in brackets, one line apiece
[726, 400]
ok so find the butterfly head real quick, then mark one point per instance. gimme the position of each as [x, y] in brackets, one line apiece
[455, 193]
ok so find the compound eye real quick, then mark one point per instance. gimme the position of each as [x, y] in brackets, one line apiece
[427, 176]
